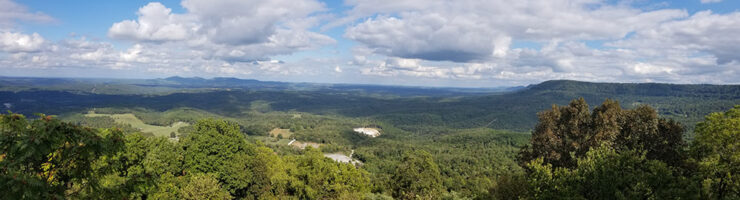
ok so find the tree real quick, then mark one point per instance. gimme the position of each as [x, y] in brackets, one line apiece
[716, 148]
[201, 186]
[244, 169]
[661, 139]
[215, 147]
[50, 159]
[563, 134]
[606, 174]
[318, 177]
[269, 177]
[134, 172]
[417, 177]
[510, 186]
[168, 187]
[560, 135]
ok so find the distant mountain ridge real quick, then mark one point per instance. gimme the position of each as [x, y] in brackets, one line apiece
[236, 82]
[180, 84]
[646, 89]
[215, 80]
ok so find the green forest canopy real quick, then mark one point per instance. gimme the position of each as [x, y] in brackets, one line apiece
[574, 153]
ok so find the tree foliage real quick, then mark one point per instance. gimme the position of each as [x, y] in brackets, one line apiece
[50, 159]
[201, 186]
[716, 148]
[605, 174]
[417, 177]
[629, 154]
[322, 178]
[566, 133]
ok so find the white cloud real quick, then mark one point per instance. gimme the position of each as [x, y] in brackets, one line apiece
[18, 42]
[646, 68]
[11, 12]
[588, 40]
[711, 1]
[14, 41]
[248, 22]
[566, 60]
[228, 30]
[406, 67]
[703, 32]
[474, 30]
[282, 42]
[226, 22]
[156, 23]
[430, 37]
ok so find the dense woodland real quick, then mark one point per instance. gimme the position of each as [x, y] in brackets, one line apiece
[644, 141]
[574, 153]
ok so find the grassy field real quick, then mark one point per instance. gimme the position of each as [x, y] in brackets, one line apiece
[272, 140]
[303, 145]
[129, 118]
[279, 131]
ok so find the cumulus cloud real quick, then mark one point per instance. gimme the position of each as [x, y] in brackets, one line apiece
[429, 37]
[14, 41]
[228, 30]
[703, 32]
[162, 59]
[248, 22]
[156, 23]
[589, 40]
[473, 30]
[19, 42]
[565, 60]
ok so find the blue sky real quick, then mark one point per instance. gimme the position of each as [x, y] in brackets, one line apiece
[461, 43]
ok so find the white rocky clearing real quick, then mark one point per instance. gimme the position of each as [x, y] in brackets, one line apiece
[372, 132]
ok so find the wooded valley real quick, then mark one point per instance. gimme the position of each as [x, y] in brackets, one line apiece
[181, 138]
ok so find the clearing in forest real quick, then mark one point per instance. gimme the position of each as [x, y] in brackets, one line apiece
[372, 132]
[280, 131]
[340, 157]
[135, 122]
[303, 145]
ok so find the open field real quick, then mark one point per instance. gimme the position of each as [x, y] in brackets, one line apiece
[303, 145]
[271, 140]
[135, 122]
[285, 133]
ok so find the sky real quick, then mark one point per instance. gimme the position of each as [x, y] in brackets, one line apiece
[451, 43]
